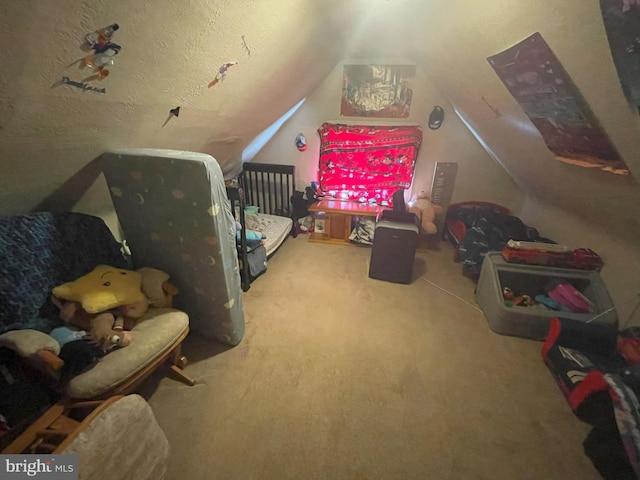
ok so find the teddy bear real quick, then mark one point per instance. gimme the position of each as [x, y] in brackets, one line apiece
[426, 211]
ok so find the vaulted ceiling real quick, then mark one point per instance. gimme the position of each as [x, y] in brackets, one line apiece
[286, 49]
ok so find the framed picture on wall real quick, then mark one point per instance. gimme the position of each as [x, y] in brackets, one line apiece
[382, 91]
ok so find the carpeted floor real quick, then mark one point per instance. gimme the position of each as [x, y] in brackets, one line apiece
[341, 376]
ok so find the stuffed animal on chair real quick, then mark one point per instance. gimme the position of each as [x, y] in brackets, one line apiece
[108, 301]
[91, 303]
[425, 211]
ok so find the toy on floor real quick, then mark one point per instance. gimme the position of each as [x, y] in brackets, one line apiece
[305, 224]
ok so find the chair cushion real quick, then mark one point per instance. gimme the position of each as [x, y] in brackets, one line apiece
[123, 441]
[153, 333]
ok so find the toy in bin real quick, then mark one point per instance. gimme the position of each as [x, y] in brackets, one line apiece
[551, 255]
[567, 295]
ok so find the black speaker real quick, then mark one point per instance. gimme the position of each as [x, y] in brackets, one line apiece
[394, 250]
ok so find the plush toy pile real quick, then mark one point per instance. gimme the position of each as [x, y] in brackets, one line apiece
[107, 302]
[99, 310]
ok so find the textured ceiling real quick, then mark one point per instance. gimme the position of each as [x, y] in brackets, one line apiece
[172, 50]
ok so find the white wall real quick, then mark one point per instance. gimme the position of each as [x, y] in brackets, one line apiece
[479, 176]
[450, 42]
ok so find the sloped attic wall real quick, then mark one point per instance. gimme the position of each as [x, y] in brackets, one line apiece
[479, 176]
[49, 135]
[571, 204]
[171, 50]
[450, 42]
[575, 32]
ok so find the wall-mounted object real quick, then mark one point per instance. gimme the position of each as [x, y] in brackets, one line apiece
[382, 91]
[622, 23]
[102, 51]
[539, 83]
[301, 142]
[81, 85]
[367, 163]
[100, 38]
[174, 112]
[222, 73]
[436, 117]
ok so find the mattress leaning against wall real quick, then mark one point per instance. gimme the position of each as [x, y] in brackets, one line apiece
[175, 215]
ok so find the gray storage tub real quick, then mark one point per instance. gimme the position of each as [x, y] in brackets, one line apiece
[533, 322]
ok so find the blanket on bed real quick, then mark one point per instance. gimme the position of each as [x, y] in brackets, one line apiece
[489, 230]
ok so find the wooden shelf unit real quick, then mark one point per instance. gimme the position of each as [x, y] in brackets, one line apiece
[339, 219]
[339, 222]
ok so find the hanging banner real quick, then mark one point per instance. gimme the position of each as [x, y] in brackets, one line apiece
[540, 84]
[377, 91]
[367, 163]
[622, 22]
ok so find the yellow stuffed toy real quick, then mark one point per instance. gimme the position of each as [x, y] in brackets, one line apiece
[91, 302]
[107, 301]
[425, 211]
[103, 289]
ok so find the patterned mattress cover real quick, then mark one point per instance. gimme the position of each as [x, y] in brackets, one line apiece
[174, 210]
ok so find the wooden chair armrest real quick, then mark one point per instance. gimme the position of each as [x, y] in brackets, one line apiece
[56, 428]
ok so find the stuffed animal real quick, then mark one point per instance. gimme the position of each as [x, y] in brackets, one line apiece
[101, 329]
[425, 211]
[156, 287]
[108, 301]
[103, 288]
[149, 288]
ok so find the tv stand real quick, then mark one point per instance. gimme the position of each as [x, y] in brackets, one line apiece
[340, 219]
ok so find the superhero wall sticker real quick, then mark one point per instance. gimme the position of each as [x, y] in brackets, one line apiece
[100, 55]
[222, 73]
[222, 70]
[95, 65]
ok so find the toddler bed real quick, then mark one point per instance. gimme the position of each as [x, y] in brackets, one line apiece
[262, 205]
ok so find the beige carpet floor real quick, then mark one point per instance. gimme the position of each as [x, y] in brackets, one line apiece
[341, 376]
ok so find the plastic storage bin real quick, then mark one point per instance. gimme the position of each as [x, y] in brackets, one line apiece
[533, 322]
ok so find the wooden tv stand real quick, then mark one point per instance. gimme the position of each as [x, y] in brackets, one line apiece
[340, 219]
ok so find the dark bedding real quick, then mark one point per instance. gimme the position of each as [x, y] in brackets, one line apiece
[488, 230]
